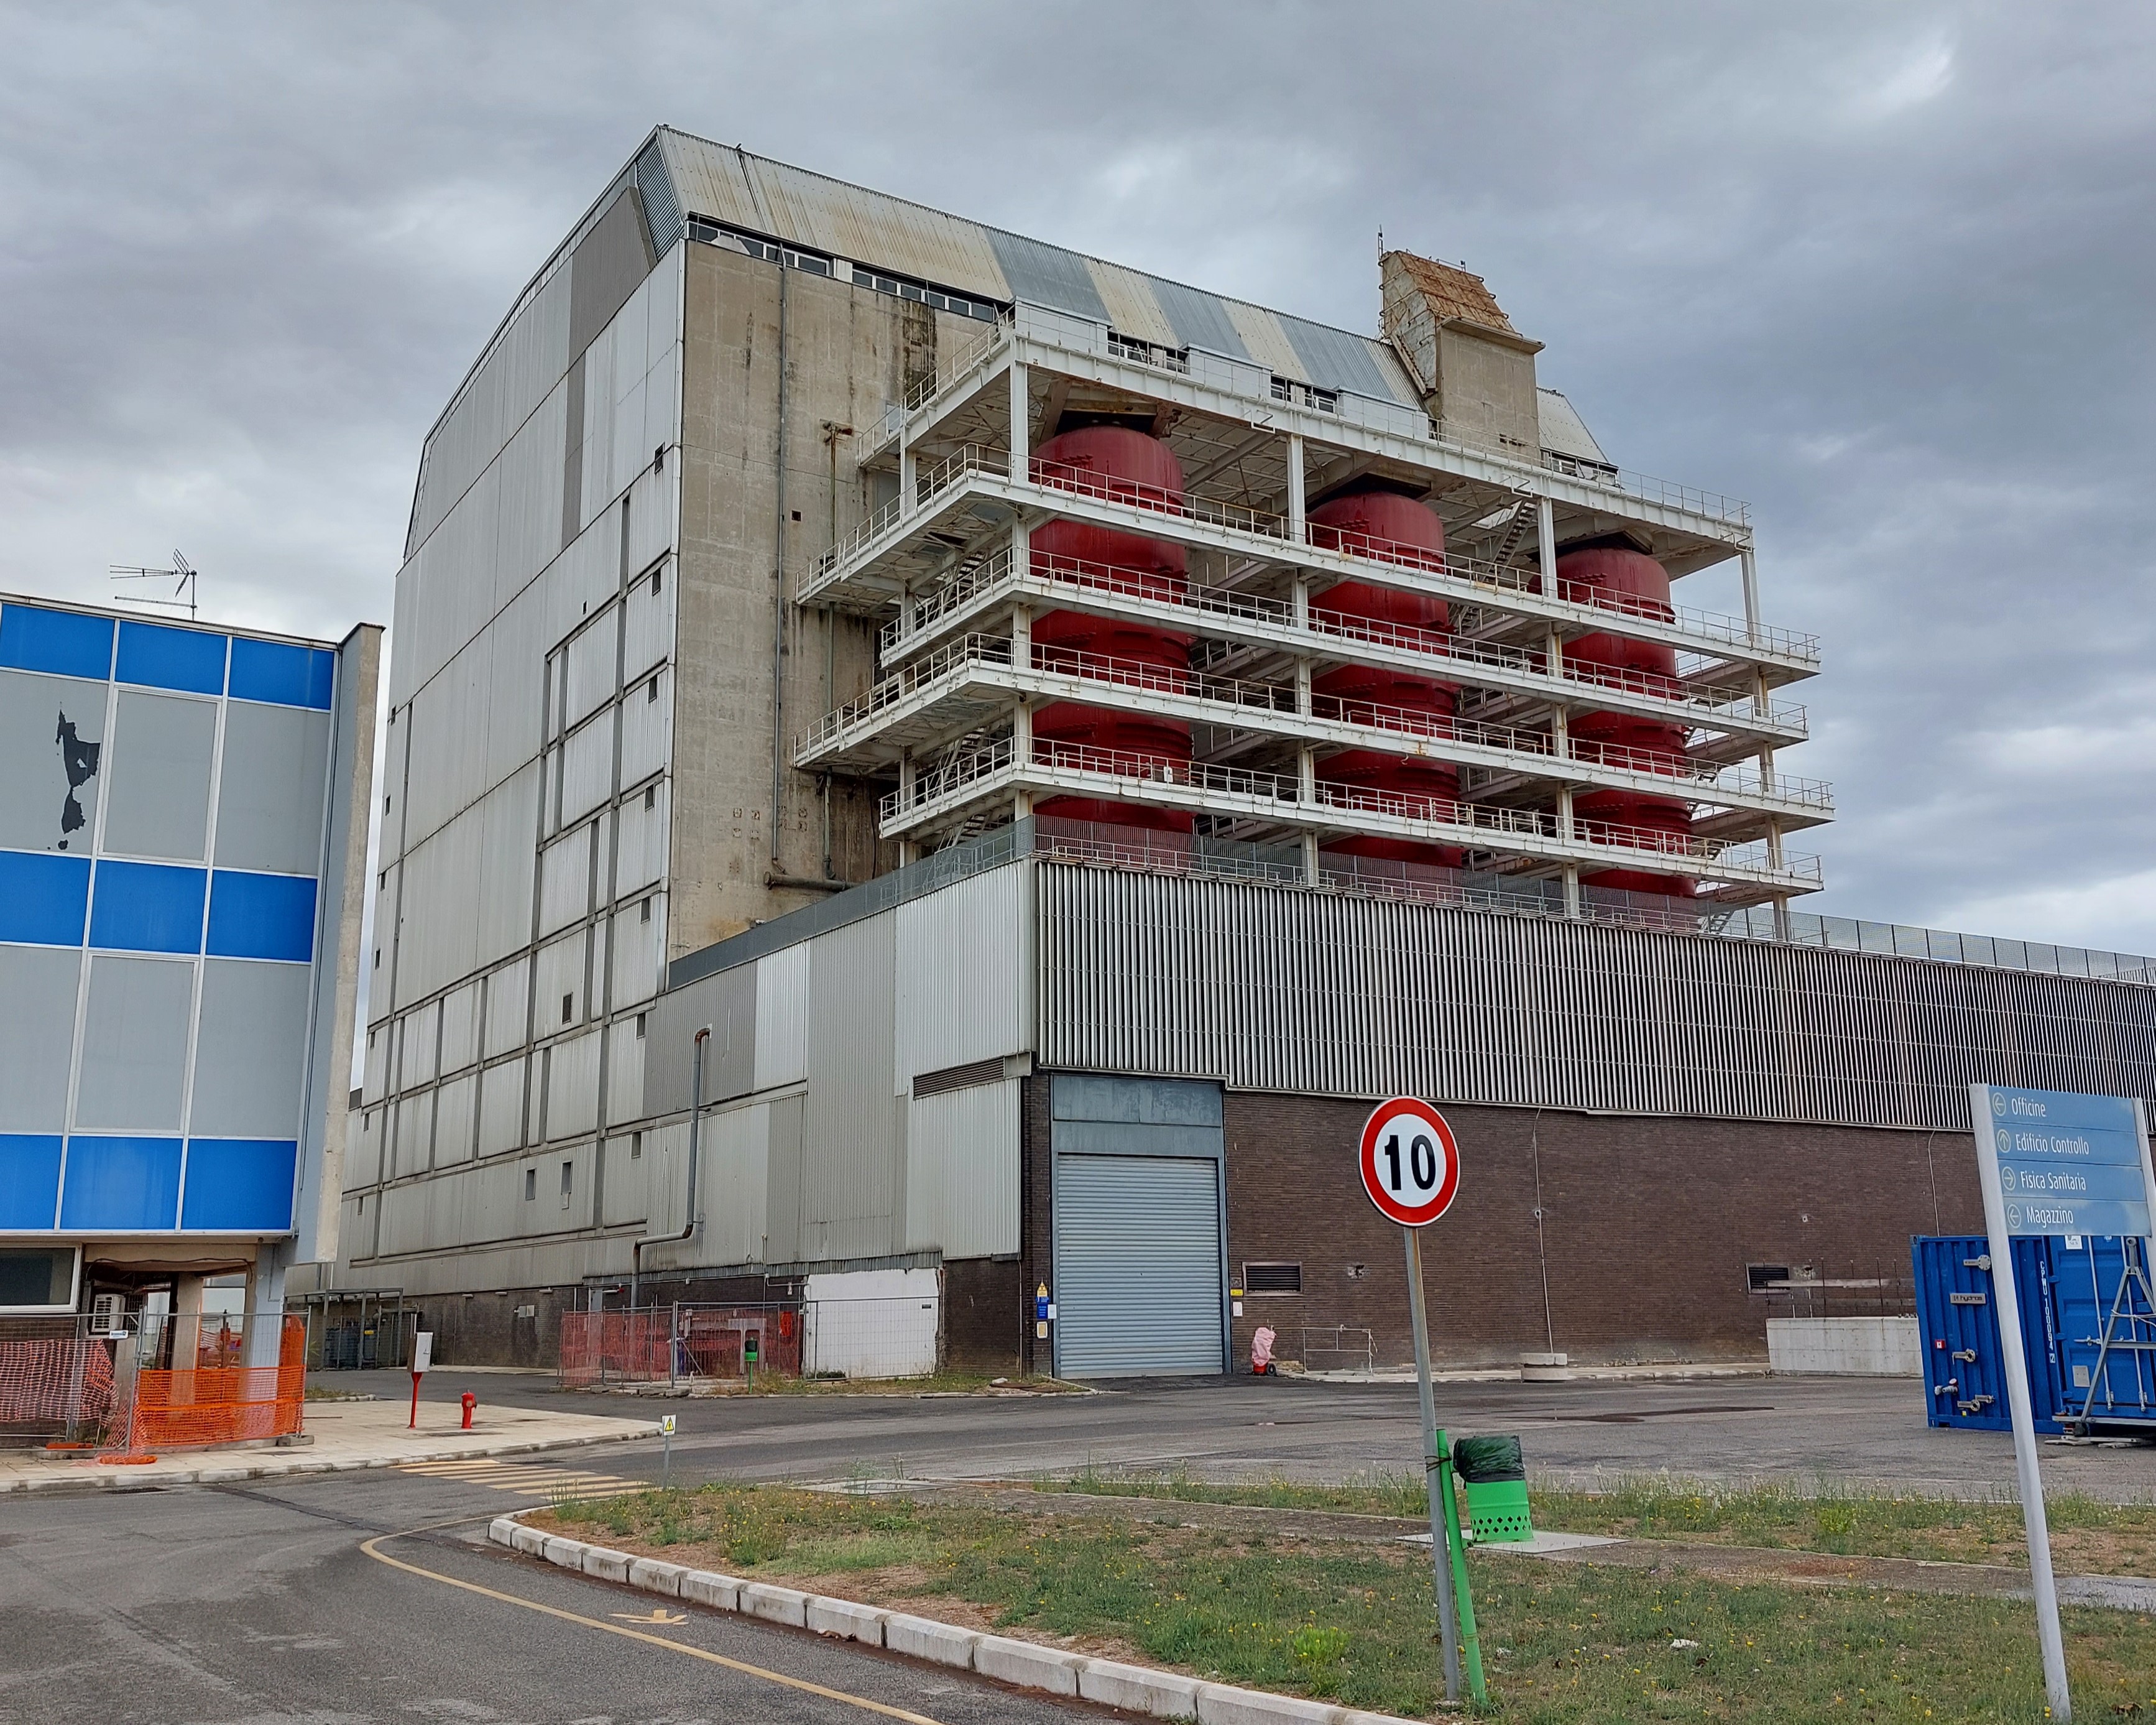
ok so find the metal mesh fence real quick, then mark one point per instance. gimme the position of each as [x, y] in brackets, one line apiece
[691, 1343]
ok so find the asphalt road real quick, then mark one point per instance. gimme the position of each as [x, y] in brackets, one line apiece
[1854, 1431]
[267, 1605]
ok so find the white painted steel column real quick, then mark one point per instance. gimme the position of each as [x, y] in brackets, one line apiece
[1022, 714]
[1546, 545]
[907, 479]
[1751, 595]
[1297, 529]
[905, 803]
[2029, 1474]
[1305, 758]
[1021, 423]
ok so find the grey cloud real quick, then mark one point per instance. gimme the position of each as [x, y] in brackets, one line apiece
[1883, 270]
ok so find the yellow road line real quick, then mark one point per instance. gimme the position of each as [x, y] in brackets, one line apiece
[614, 1629]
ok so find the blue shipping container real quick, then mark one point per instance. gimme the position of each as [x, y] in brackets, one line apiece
[1957, 1331]
[2086, 1276]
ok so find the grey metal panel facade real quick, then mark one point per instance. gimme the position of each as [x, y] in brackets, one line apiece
[853, 1129]
[276, 764]
[36, 791]
[251, 1049]
[164, 748]
[135, 1044]
[1318, 994]
[37, 989]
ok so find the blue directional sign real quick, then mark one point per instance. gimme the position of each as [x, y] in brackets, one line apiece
[2064, 1162]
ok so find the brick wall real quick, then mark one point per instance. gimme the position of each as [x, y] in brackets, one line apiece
[1649, 1223]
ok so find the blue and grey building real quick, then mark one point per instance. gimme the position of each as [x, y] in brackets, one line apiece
[182, 866]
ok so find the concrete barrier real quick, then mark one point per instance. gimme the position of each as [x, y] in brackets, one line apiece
[1845, 1347]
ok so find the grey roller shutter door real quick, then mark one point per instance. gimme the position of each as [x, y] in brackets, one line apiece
[1137, 1265]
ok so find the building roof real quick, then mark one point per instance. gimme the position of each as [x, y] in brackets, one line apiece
[1452, 292]
[680, 175]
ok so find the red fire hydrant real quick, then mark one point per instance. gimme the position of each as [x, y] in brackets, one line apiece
[471, 1401]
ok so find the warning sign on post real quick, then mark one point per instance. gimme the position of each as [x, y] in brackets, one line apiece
[1410, 1162]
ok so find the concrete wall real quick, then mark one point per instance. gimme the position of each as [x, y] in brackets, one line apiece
[1845, 1347]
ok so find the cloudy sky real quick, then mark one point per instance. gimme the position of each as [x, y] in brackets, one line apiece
[1887, 271]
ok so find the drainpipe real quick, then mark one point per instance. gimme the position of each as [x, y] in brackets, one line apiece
[695, 1126]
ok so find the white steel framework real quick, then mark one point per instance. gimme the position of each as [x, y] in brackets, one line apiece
[945, 563]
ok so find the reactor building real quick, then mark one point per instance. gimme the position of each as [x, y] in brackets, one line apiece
[932, 774]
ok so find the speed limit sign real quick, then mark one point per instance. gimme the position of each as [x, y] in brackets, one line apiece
[1410, 1162]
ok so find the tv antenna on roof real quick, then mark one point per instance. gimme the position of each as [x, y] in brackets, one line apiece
[182, 575]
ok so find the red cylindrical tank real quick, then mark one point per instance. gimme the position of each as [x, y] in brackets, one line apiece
[1118, 461]
[1618, 578]
[1396, 530]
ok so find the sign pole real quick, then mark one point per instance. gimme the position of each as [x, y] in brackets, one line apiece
[2048, 1637]
[1433, 1475]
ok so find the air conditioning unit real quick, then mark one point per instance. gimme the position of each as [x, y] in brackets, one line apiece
[108, 1315]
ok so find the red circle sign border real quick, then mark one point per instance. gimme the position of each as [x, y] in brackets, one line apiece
[1366, 1162]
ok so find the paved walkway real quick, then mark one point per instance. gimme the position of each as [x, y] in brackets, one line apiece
[347, 1434]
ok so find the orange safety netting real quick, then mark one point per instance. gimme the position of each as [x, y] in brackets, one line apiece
[54, 1382]
[650, 1345]
[223, 1405]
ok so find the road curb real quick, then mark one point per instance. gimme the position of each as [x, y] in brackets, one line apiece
[218, 1472]
[1024, 1665]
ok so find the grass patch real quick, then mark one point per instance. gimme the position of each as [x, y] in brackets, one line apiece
[2088, 1536]
[1352, 1622]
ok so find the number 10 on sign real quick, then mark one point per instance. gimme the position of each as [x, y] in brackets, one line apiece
[1410, 1167]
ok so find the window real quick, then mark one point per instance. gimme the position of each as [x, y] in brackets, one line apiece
[636, 1139]
[37, 1277]
[363, 1204]
[530, 1184]
[1766, 1278]
[655, 574]
[385, 804]
[569, 1007]
[797, 515]
[378, 958]
[651, 691]
[651, 796]
[1272, 1278]
[659, 459]
[643, 910]
[568, 1181]
[640, 1031]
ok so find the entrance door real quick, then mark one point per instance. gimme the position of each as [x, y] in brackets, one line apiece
[1137, 1265]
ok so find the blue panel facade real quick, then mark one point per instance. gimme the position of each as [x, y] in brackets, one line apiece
[29, 1179]
[119, 1109]
[121, 1185]
[239, 1185]
[262, 917]
[278, 671]
[160, 657]
[44, 898]
[67, 643]
[147, 907]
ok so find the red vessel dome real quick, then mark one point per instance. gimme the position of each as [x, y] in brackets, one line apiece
[1118, 462]
[1619, 578]
[1393, 529]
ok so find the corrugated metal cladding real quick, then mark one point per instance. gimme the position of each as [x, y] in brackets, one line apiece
[731, 185]
[662, 208]
[1309, 993]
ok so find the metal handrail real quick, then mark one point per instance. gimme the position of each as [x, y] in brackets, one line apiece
[985, 761]
[1249, 695]
[1702, 703]
[1499, 579]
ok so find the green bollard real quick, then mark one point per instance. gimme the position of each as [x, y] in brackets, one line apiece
[1471, 1644]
